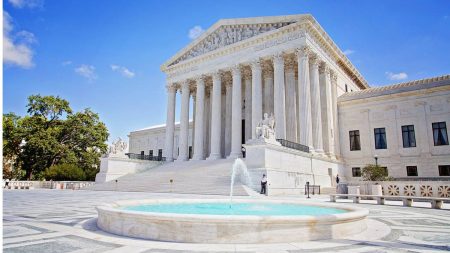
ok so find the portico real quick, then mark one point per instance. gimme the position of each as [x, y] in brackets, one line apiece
[281, 66]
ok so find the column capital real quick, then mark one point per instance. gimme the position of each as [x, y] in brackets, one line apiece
[255, 64]
[171, 87]
[303, 51]
[333, 76]
[314, 60]
[236, 70]
[278, 58]
[216, 75]
[199, 78]
[324, 68]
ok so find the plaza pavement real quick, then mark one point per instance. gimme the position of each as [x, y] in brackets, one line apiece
[55, 221]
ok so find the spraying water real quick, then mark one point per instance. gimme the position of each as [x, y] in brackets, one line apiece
[239, 168]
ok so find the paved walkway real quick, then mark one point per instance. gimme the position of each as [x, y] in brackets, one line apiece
[55, 221]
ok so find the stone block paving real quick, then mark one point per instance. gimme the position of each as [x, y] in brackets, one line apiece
[55, 221]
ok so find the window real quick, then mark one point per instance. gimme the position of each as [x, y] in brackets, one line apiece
[142, 154]
[380, 138]
[409, 138]
[354, 140]
[150, 152]
[356, 172]
[411, 171]
[159, 153]
[440, 134]
[444, 170]
[346, 88]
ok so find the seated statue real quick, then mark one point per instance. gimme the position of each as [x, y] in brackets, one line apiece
[266, 128]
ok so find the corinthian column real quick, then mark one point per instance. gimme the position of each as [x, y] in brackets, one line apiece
[216, 112]
[184, 122]
[236, 114]
[316, 113]
[199, 121]
[279, 99]
[304, 98]
[327, 110]
[256, 95]
[291, 102]
[228, 117]
[170, 122]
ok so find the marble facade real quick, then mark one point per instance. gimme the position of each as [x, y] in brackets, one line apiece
[289, 67]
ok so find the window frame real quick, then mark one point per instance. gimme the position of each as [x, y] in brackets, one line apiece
[442, 168]
[408, 170]
[408, 131]
[355, 134]
[375, 134]
[356, 172]
[439, 127]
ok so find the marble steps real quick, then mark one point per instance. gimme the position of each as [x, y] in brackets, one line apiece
[194, 177]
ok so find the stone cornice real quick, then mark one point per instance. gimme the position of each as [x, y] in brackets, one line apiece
[304, 23]
[428, 83]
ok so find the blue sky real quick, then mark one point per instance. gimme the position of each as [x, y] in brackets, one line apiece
[106, 54]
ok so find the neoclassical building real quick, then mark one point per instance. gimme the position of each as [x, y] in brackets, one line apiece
[324, 110]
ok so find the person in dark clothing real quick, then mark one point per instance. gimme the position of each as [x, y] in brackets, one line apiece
[337, 179]
[263, 184]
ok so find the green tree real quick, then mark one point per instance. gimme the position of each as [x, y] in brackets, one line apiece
[54, 135]
[65, 172]
[11, 146]
[374, 172]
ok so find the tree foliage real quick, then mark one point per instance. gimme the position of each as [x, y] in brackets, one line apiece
[374, 172]
[54, 135]
[67, 172]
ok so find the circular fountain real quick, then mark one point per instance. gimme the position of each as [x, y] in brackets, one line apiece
[219, 221]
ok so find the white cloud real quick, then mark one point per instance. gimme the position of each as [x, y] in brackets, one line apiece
[87, 71]
[65, 63]
[17, 46]
[195, 32]
[123, 71]
[348, 51]
[26, 3]
[396, 76]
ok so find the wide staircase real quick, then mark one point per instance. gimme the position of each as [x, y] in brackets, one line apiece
[192, 177]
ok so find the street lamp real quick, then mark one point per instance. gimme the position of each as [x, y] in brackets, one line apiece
[376, 159]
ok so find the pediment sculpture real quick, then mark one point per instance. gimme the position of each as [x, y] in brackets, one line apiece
[226, 35]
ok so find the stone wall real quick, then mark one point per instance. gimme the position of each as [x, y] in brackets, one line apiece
[408, 188]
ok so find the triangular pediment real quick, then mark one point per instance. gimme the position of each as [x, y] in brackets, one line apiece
[230, 31]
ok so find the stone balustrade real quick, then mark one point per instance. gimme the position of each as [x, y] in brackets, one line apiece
[28, 185]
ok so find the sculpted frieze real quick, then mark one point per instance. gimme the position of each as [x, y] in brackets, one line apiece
[284, 39]
[227, 35]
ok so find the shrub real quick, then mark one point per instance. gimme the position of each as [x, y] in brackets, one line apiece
[65, 172]
[374, 173]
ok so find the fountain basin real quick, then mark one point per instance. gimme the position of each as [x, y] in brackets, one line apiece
[216, 228]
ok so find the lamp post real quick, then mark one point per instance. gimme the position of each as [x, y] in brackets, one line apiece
[376, 159]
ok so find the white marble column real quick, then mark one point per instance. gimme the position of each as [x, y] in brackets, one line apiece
[304, 98]
[207, 124]
[194, 112]
[268, 91]
[337, 148]
[170, 122]
[236, 129]
[228, 118]
[216, 114]
[291, 103]
[316, 112]
[248, 104]
[279, 97]
[199, 120]
[184, 122]
[256, 96]
[327, 110]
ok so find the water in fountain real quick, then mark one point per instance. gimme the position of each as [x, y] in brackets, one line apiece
[239, 168]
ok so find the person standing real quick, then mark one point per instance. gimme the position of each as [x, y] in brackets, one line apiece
[263, 184]
[337, 180]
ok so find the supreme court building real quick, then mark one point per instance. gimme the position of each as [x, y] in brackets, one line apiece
[324, 109]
